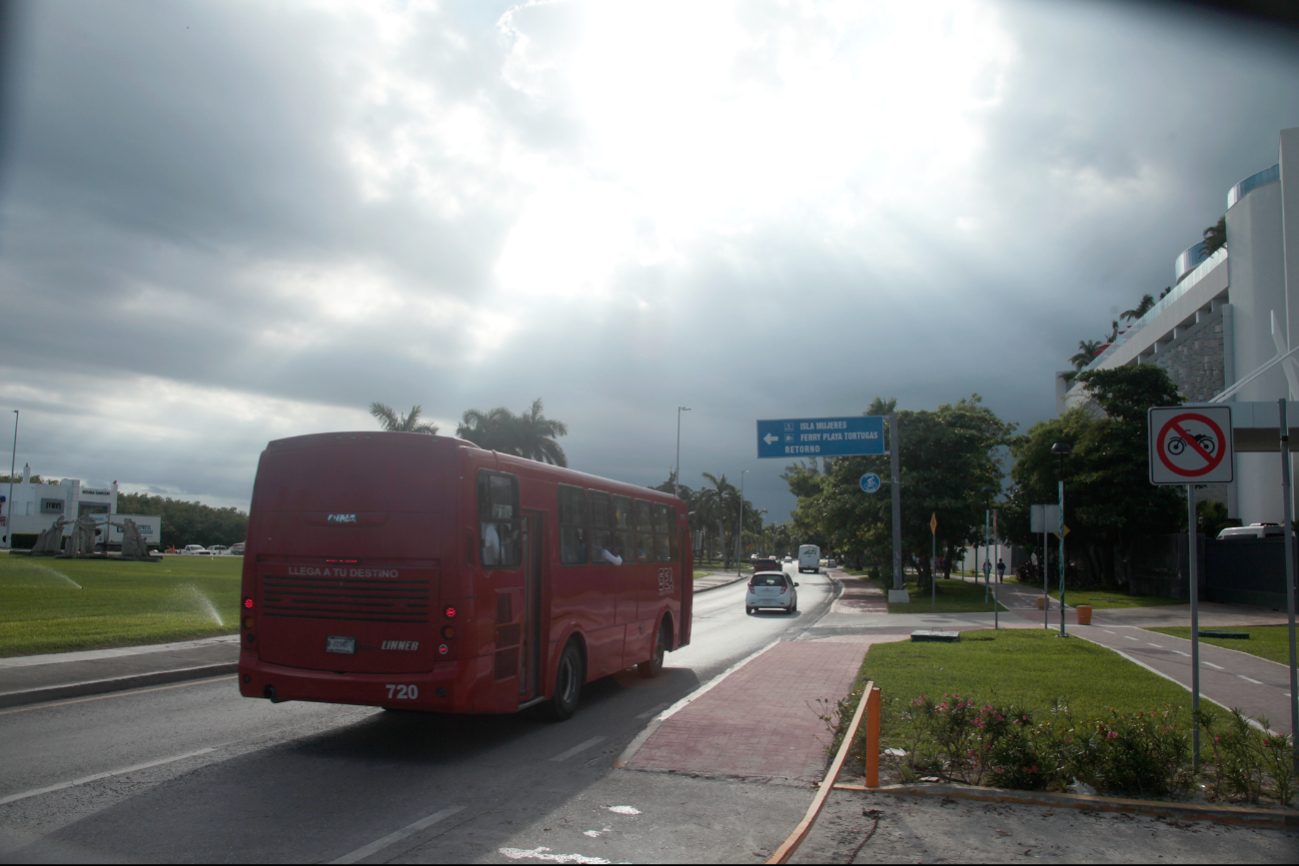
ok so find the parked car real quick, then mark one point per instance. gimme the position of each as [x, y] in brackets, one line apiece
[218, 550]
[237, 549]
[771, 589]
[1254, 530]
[195, 550]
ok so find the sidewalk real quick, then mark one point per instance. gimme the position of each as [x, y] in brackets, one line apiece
[32, 679]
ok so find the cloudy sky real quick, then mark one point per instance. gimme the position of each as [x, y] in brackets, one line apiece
[224, 223]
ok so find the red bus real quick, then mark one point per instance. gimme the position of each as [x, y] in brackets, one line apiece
[403, 570]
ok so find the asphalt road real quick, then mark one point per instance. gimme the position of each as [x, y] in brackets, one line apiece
[194, 773]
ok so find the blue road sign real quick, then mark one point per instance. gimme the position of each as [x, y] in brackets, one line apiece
[821, 437]
[870, 482]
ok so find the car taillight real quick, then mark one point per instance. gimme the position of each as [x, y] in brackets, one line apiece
[785, 589]
[751, 585]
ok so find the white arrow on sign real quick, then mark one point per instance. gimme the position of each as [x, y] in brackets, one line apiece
[770, 437]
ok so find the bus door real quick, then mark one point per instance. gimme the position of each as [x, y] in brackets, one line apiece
[531, 644]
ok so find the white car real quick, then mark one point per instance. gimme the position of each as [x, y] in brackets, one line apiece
[196, 550]
[771, 589]
[218, 550]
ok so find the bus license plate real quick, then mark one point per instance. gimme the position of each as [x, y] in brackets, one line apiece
[337, 644]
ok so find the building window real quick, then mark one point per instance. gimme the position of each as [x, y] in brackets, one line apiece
[51, 506]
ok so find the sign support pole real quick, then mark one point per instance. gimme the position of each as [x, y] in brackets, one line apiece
[1288, 535]
[895, 471]
[1062, 631]
[1193, 550]
[1046, 581]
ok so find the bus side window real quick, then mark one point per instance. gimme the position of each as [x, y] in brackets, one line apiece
[644, 532]
[498, 519]
[624, 545]
[663, 534]
[572, 525]
[601, 528]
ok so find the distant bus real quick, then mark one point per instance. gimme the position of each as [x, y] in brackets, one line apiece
[403, 570]
[809, 558]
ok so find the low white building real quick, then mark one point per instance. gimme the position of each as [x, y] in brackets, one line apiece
[35, 506]
[1227, 316]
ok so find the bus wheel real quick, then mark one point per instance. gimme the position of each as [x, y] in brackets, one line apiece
[568, 685]
[652, 668]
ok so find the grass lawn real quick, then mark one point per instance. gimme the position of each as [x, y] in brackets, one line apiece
[1029, 667]
[54, 605]
[1270, 642]
[1101, 599]
[954, 596]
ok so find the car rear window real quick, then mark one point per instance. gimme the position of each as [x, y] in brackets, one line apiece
[769, 580]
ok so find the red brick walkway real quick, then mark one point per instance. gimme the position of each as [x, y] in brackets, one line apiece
[860, 596]
[761, 721]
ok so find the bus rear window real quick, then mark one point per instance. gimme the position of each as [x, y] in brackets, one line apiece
[498, 519]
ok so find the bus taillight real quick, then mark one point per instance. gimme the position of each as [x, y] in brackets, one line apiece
[449, 611]
[248, 603]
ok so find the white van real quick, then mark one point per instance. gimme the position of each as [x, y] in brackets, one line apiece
[809, 558]
[1254, 530]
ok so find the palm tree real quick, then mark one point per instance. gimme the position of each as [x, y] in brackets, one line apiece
[531, 435]
[394, 422]
[535, 436]
[1142, 307]
[492, 430]
[1215, 237]
[1086, 353]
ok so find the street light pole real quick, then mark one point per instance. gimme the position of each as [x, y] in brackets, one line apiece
[9, 503]
[1061, 449]
[739, 530]
[676, 477]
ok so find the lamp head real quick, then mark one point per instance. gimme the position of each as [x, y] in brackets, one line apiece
[1061, 448]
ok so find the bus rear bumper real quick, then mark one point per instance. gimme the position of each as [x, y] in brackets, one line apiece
[443, 689]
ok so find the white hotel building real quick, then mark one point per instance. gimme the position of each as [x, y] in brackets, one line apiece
[1227, 316]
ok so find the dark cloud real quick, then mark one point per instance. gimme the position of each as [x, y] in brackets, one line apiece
[222, 224]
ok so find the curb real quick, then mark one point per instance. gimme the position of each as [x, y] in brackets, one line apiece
[116, 684]
[720, 585]
[1237, 815]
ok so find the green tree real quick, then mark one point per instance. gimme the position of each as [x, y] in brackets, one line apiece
[531, 435]
[1087, 351]
[394, 422]
[1215, 237]
[947, 457]
[1110, 504]
[535, 436]
[187, 522]
[1143, 306]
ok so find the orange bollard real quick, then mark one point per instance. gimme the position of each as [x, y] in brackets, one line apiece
[1084, 614]
[873, 737]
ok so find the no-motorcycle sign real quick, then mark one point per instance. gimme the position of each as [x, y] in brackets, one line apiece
[1190, 445]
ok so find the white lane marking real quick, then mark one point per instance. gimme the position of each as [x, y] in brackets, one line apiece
[1249, 680]
[1155, 645]
[378, 844]
[652, 710]
[1215, 667]
[580, 747]
[1129, 637]
[539, 854]
[1180, 653]
[1107, 631]
[97, 776]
